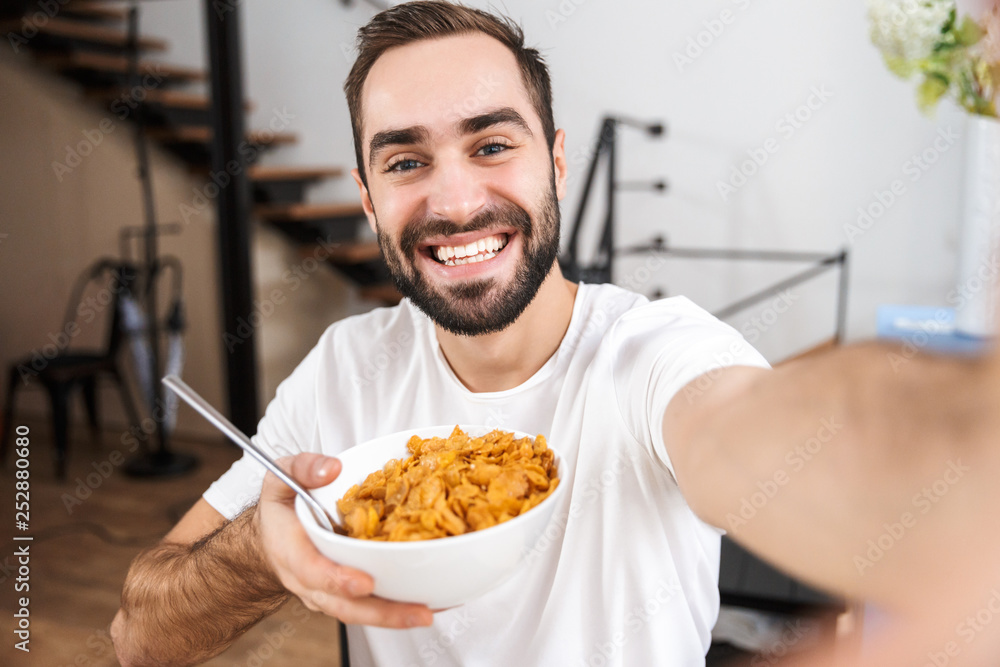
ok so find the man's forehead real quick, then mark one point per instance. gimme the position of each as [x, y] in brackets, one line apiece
[437, 83]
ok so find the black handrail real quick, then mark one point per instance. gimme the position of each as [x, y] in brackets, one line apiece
[600, 270]
[821, 263]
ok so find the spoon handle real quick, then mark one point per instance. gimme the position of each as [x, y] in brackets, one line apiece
[192, 398]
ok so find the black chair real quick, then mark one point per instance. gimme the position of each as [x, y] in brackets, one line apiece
[64, 371]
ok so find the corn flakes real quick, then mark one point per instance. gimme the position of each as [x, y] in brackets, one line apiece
[450, 486]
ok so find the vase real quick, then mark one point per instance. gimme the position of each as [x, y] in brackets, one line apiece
[975, 296]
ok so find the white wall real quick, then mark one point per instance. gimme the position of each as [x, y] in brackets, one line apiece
[621, 56]
[761, 66]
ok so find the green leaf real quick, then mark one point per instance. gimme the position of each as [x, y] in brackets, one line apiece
[979, 105]
[969, 32]
[993, 77]
[930, 92]
[950, 22]
[904, 69]
[936, 64]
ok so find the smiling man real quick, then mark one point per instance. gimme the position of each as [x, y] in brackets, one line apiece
[461, 182]
[468, 216]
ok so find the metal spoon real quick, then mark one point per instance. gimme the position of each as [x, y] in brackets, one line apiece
[192, 398]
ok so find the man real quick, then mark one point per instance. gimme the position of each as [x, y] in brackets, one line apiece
[646, 400]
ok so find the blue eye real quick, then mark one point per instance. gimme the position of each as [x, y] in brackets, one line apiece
[493, 149]
[403, 165]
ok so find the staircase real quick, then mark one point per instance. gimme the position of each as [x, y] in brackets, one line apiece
[87, 41]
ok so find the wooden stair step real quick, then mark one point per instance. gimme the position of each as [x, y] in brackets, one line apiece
[67, 28]
[202, 134]
[286, 184]
[274, 173]
[362, 263]
[102, 62]
[355, 253]
[96, 10]
[386, 293]
[161, 96]
[307, 212]
[347, 252]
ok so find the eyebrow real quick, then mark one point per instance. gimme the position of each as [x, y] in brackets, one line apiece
[504, 116]
[418, 133]
[387, 138]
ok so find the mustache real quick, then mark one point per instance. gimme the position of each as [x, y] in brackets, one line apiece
[501, 215]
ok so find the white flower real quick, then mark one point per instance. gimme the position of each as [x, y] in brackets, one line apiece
[908, 29]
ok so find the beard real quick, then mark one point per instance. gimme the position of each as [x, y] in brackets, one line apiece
[478, 307]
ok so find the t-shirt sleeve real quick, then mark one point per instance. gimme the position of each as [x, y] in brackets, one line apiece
[660, 347]
[288, 427]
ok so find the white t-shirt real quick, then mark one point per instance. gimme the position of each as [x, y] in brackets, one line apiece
[625, 574]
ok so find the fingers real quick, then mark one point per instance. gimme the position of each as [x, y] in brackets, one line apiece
[297, 562]
[310, 470]
[370, 610]
[315, 572]
[321, 584]
[339, 590]
[344, 592]
[314, 470]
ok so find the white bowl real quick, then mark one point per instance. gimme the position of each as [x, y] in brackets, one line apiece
[440, 573]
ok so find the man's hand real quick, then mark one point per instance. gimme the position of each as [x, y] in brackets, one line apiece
[321, 584]
[191, 596]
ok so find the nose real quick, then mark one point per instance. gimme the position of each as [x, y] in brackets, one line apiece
[456, 191]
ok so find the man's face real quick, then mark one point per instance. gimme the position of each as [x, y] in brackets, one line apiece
[462, 189]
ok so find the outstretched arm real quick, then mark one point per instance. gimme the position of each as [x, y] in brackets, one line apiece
[865, 473]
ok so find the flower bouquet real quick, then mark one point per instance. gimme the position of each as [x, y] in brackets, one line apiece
[958, 56]
[951, 55]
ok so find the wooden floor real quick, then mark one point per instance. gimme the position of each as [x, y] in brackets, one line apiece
[81, 552]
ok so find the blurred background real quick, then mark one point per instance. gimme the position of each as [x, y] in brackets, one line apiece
[783, 131]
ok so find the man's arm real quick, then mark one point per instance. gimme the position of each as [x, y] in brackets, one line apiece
[811, 464]
[186, 600]
[191, 596]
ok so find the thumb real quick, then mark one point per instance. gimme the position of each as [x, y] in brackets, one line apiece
[310, 470]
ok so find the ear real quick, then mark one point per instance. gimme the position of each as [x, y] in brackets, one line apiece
[366, 200]
[560, 168]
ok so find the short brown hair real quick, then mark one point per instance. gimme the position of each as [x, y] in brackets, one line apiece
[431, 19]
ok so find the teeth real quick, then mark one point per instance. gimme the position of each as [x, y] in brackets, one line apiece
[477, 251]
[469, 260]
